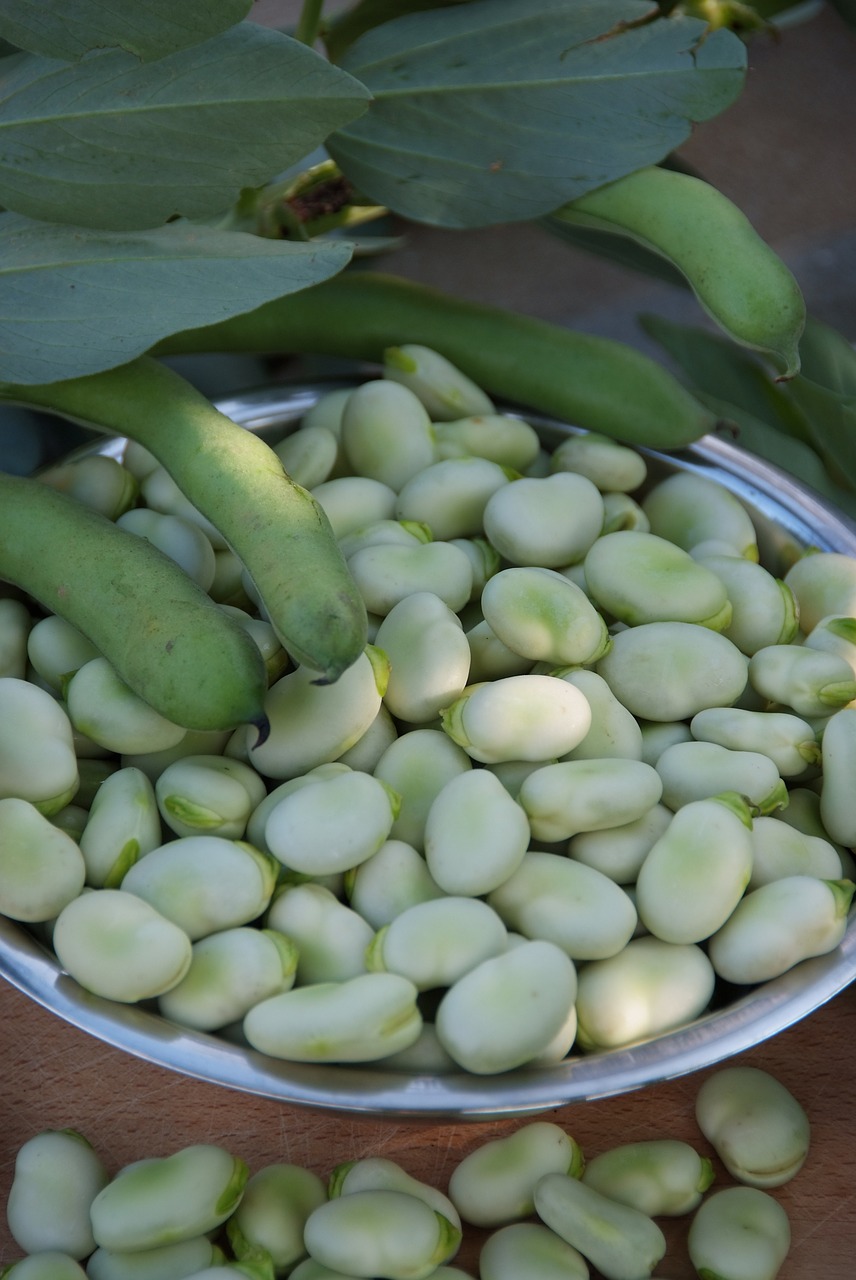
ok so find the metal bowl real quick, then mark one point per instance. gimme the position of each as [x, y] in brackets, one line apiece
[788, 517]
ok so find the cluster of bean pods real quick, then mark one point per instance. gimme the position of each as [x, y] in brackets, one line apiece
[545, 1209]
[596, 758]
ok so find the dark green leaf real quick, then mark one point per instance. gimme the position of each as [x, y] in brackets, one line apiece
[825, 391]
[77, 301]
[113, 143]
[147, 28]
[496, 111]
[344, 28]
[716, 367]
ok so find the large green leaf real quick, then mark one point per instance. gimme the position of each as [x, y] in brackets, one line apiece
[343, 28]
[77, 301]
[498, 111]
[148, 28]
[114, 143]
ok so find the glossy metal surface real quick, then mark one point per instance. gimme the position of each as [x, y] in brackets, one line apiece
[788, 516]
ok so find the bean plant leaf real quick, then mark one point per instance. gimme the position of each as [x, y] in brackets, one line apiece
[147, 28]
[345, 27]
[495, 111]
[117, 144]
[79, 301]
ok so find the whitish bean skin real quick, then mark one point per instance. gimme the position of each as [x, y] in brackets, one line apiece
[313, 723]
[622, 1242]
[662, 1177]
[41, 868]
[230, 972]
[375, 1173]
[780, 849]
[777, 925]
[183, 542]
[122, 825]
[445, 391]
[494, 1185]
[167, 1262]
[570, 796]
[548, 522]
[272, 1214]
[671, 670]
[48, 1265]
[838, 754]
[380, 1232]
[387, 574]
[118, 946]
[429, 657]
[309, 1269]
[417, 766]
[435, 943]
[57, 1176]
[208, 795]
[333, 825]
[808, 681]
[527, 717]
[764, 610]
[351, 502]
[504, 439]
[639, 577]
[553, 898]
[755, 1124]
[360, 1020]
[55, 649]
[543, 616]
[386, 432]
[450, 496]
[476, 835]
[490, 657]
[693, 771]
[650, 987]
[388, 883]
[689, 509]
[739, 1233]
[788, 740]
[107, 710]
[824, 583]
[98, 481]
[331, 939]
[532, 1250]
[614, 731]
[618, 852]
[613, 467]
[309, 455]
[507, 1010]
[37, 758]
[165, 1200]
[204, 883]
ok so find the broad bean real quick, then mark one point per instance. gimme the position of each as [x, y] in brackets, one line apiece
[640, 577]
[417, 766]
[507, 1010]
[446, 393]
[429, 657]
[613, 467]
[670, 670]
[386, 432]
[361, 1019]
[756, 1126]
[690, 509]
[389, 882]
[208, 794]
[41, 867]
[739, 1233]
[57, 1176]
[37, 758]
[330, 938]
[614, 731]
[386, 574]
[101, 705]
[764, 609]
[229, 972]
[376, 1173]
[160, 1201]
[649, 987]
[450, 496]
[165, 1262]
[546, 522]
[621, 1241]
[838, 754]
[495, 1184]
[333, 825]
[543, 616]
[497, 436]
[435, 943]
[526, 717]
[699, 770]
[532, 1250]
[389, 1233]
[476, 835]
[272, 1214]
[185, 543]
[810, 682]
[661, 1177]
[570, 796]
[122, 825]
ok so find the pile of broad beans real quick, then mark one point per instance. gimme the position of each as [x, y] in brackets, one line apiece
[594, 766]
[543, 1208]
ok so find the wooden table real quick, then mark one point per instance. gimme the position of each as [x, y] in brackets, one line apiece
[55, 1076]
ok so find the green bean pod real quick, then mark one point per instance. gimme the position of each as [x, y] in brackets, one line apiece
[165, 638]
[596, 382]
[234, 479]
[737, 278]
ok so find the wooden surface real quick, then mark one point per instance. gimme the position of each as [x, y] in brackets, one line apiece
[55, 1076]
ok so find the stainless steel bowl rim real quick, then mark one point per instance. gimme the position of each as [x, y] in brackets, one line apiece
[793, 513]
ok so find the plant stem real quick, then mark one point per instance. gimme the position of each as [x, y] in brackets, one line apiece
[309, 22]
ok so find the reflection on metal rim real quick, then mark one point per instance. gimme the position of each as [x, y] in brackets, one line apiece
[788, 516]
